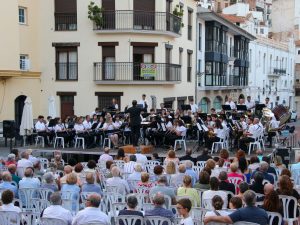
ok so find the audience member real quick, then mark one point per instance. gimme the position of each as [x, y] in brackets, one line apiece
[187, 190]
[171, 156]
[204, 156]
[11, 159]
[49, 182]
[90, 185]
[132, 203]
[6, 183]
[263, 168]
[116, 180]
[235, 203]
[136, 175]
[204, 178]
[189, 171]
[12, 168]
[129, 165]
[224, 185]
[217, 204]
[105, 156]
[162, 188]
[257, 186]
[28, 181]
[24, 162]
[176, 179]
[7, 198]
[188, 156]
[184, 207]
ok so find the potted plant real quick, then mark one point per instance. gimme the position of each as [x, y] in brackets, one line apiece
[177, 21]
[95, 14]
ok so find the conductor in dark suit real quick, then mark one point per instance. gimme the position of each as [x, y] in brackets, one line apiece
[135, 122]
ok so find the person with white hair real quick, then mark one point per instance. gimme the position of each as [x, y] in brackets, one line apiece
[11, 159]
[105, 156]
[263, 167]
[136, 175]
[189, 171]
[24, 162]
[116, 180]
[129, 165]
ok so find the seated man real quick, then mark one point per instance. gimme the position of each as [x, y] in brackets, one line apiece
[55, 210]
[6, 184]
[92, 213]
[158, 201]
[162, 188]
[116, 180]
[12, 168]
[250, 213]
[7, 198]
[263, 168]
[90, 185]
[295, 169]
[28, 180]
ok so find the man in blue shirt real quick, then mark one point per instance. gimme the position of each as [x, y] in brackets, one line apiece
[250, 213]
[28, 181]
[189, 171]
[295, 169]
[6, 184]
[90, 186]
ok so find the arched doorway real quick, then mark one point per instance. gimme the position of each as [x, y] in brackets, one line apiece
[204, 104]
[217, 104]
[19, 105]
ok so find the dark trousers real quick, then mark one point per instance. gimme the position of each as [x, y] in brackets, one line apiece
[135, 134]
[244, 141]
[270, 135]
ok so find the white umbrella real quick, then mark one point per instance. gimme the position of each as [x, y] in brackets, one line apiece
[26, 126]
[51, 107]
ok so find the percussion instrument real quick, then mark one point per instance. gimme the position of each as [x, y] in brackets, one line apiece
[281, 114]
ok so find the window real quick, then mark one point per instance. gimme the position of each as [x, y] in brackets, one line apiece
[65, 15]
[189, 66]
[24, 62]
[22, 15]
[204, 104]
[200, 37]
[66, 63]
[190, 23]
[199, 66]
[262, 31]
[217, 104]
[180, 57]
[105, 100]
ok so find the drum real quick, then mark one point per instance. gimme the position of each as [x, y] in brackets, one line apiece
[282, 114]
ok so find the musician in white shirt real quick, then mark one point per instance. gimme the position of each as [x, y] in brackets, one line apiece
[249, 103]
[61, 131]
[272, 129]
[253, 132]
[177, 132]
[194, 107]
[41, 129]
[144, 102]
[231, 103]
[267, 103]
[87, 123]
[82, 132]
[110, 129]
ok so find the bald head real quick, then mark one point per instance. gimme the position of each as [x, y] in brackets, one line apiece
[268, 188]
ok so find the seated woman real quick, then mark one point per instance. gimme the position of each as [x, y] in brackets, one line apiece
[171, 156]
[235, 203]
[177, 132]
[82, 132]
[218, 133]
[187, 190]
[49, 182]
[132, 203]
[204, 178]
[272, 203]
[217, 203]
[72, 188]
[145, 181]
[111, 131]
[61, 131]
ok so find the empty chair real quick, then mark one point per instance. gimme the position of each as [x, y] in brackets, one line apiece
[180, 142]
[52, 221]
[26, 196]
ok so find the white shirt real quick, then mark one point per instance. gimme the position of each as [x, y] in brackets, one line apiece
[142, 102]
[220, 133]
[129, 167]
[87, 124]
[123, 187]
[250, 105]
[117, 124]
[140, 158]
[268, 105]
[58, 212]
[89, 215]
[194, 108]
[40, 126]
[209, 194]
[32, 159]
[105, 157]
[24, 163]
[187, 221]
[79, 127]
[222, 213]
[182, 130]
[10, 207]
[232, 104]
[58, 127]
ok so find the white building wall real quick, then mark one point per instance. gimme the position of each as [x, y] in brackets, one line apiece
[239, 9]
[263, 59]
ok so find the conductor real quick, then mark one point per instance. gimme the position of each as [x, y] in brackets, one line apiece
[135, 121]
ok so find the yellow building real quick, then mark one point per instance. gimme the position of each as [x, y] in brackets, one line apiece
[138, 47]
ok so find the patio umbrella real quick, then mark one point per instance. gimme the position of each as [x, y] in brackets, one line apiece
[51, 107]
[26, 126]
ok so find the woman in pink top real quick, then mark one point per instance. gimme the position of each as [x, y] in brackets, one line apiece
[235, 174]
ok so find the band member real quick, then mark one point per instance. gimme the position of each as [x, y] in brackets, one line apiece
[272, 127]
[61, 131]
[144, 102]
[82, 132]
[111, 130]
[267, 103]
[216, 134]
[249, 136]
[41, 129]
[249, 103]
[135, 122]
[176, 133]
[114, 105]
[231, 103]
[194, 106]
[87, 123]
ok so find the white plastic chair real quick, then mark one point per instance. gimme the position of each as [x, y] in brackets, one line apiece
[45, 193]
[220, 144]
[157, 220]
[52, 221]
[84, 196]
[39, 139]
[180, 142]
[236, 181]
[201, 164]
[108, 142]
[70, 201]
[129, 220]
[31, 218]
[38, 205]
[44, 163]
[272, 216]
[26, 195]
[198, 213]
[10, 218]
[286, 201]
[296, 176]
[59, 140]
[78, 141]
[120, 164]
[116, 207]
[197, 169]
[254, 144]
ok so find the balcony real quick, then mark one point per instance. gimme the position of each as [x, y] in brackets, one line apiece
[136, 73]
[124, 21]
[224, 82]
[275, 72]
[65, 21]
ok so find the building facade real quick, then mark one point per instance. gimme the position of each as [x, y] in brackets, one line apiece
[223, 60]
[136, 47]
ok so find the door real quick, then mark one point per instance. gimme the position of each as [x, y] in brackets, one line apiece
[168, 11]
[144, 14]
[137, 60]
[109, 14]
[168, 61]
[109, 68]
[19, 105]
[66, 106]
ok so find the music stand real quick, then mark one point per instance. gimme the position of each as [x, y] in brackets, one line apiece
[186, 107]
[241, 107]
[187, 119]
[203, 116]
[259, 106]
[141, 106]
[226, 107]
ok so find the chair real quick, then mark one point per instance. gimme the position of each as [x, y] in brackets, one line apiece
[286, 201]
[254, 144]
[262, 141]
[52, 221]
[132, 184]
[38, 205]
[198, 213]
[236, 181]
[197, 169]
[220, 144]
[157, 220]
[296, 176]
[201, 164]
[70, 201]
[180, 142]
[26, 196]
[78, 141]
[39, 139]
[108, 142]
[116, 207]
[44, 163]
[110, 188]
[30, 218]
[194, 202]
[59, 140]
[45, 193]
[10, 218]
[120, 164]
[129, 220]
[272, 218]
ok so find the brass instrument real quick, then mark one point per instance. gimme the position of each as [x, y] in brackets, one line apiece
[210, 133]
